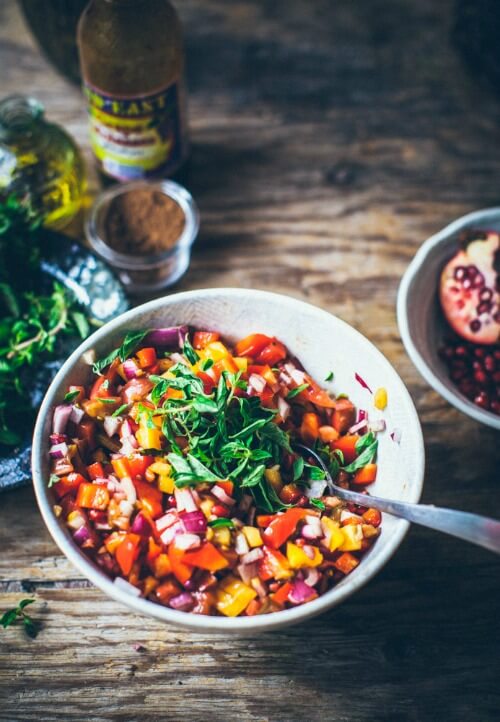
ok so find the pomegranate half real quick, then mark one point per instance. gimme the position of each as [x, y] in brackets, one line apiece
[469, 289]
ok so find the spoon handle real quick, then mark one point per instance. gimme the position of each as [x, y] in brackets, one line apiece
[477, 529]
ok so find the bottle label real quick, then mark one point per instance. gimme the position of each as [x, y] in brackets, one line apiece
[136, 137]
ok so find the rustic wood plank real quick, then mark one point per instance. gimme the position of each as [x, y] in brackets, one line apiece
[329, 140]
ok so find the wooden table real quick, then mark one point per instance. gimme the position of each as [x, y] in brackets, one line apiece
[329, 139]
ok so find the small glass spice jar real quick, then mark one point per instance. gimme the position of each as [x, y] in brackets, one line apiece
[154, 257]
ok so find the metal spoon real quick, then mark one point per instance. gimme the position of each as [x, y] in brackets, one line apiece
[477, 529]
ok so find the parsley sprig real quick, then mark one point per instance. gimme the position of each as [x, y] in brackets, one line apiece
[18, 614]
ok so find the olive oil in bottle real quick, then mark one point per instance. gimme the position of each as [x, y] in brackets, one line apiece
[132, 66]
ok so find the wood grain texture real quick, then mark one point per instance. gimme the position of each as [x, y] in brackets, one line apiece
[329, 140]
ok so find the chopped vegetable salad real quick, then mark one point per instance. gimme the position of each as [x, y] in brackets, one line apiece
[175, 471]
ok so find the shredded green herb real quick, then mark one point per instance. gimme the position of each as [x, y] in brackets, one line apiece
[220, 523]
[12, 616]
[298, 390]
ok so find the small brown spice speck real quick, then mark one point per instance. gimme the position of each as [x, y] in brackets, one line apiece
[143, 222]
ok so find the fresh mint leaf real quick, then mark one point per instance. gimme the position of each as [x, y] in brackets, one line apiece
[329, 377]
[273, 432]
[120, 410]
[298, 468]
[189, 351]
[366, 457]
[220, 523]
[71, 396]
[206, 364]
[81, 323]
[130, 343]
[254, 477]
[318, 504]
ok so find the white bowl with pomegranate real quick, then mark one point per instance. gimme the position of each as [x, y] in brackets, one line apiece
[164, 462]
[449, 314]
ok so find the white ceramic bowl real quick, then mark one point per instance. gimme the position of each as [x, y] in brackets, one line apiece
[323, 343]
[421, 322]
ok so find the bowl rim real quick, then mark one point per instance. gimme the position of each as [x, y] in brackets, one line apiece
[416, 264]
[195, 622]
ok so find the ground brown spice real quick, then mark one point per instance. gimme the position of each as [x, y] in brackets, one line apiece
[141, 222]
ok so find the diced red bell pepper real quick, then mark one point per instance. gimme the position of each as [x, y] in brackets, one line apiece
[272, 353]
[201, 339]
[253, 608]
[347, 445]
[252, 345]
[309, 428]
[138, 464]
[274, 565]
[365, 475]
[264, 519]
[228, 486]
[182, 572]
[96, 470]
[206, 557]
[220, 510]
[346, 563]
[127, 552]
[266, 397]
[166, 591]
[154, 550]
[68, 484]
[146, 357]
[92, 496]
[100, 388]
[373, 517]
[282, 527]
[150, 497]
[281, 596]
[121, 467]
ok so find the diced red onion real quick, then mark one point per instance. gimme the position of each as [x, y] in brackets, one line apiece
[252, 556]
[285, 378]
[126, 429]
[129, 489]
[183, 602]
[396, 435]
[129, 445]
[171, 532]
[126, 508]
[300, 592]
[259, 587]
[179, 359]
[312, 530]
[57, 438]
[62, 467]
[102, 526]
[141, 525]
[194, 522]
[111, 425]
[61, 418]
[78, 519]
[308, 551]
[77, 414]
[362, 382]
[185, 500]
[113, 484]
[298, 376]
[88, 357]
[130, 369]
[82, 535]
[358, 426]
[221, 495]
[284, 408]
[346, 514]
[171, 517]
[362, 414]
[241, 544]
[167, 337]
[247, 572]
[316, 489]
[311, 577]
[187, 541]
[59, 451]
[377, 425]
[257, 382]
[127, 587]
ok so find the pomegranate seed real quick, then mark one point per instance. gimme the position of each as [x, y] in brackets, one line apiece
[489, 363]
[472, 271]
[477, 365]
[482, 400]
[460, 273]
[483, 307]
[478, 281]
[479, 352]
[495, 407]
[496, 377]
[480, 377]
[171, 503]
[461, 351]
[486, 294]
[496, 354]
[475, 325]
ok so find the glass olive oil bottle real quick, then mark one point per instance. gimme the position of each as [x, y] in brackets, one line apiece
[132, 64]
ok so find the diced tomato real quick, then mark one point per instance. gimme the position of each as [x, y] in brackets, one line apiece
[315, 394]
[208, 382]
[68, 484]
[100, 388]
[346, 563]
[373, 517]
[347, 445]
[138, 464]
[225, 364]
[81, 393]
[96, 470]
[272, 353]
[220, 510]
[252, 345]
[253, 608]
[309, 428]
[264, 519]
[86, 430]
[344, 415]
[146, 357]
[282, 527]
[274, 565]
[281, 596]
[266, 397]
[154, 550]
[150, 497]
[127, 552]
[366, 475]
[166, 591]
[136, 389]
[206, 557]
[182, 572]
[203, 338]
[92, 496]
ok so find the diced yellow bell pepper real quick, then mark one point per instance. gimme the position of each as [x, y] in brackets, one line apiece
[269, 375]
[252, 535]
[216, 351]
[150, 583]
[297, 558]
[206, 507]
[353, 537]
[209, 534]
[380, 398]
[160, 467]
[149, 438]
[333, 533]
[241, 363]
[223, 536]
[233, 597]
[166, 484]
